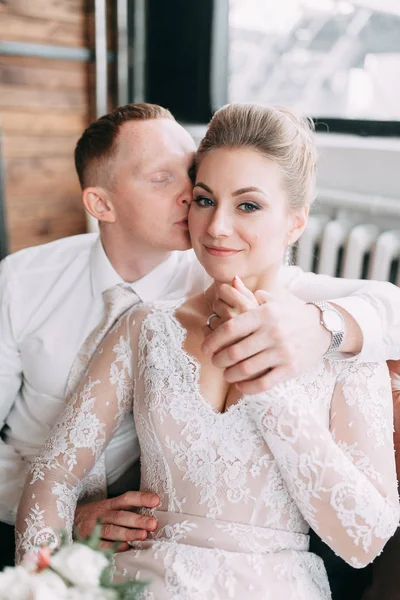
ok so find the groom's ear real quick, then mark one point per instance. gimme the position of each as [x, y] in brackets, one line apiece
[98, 203]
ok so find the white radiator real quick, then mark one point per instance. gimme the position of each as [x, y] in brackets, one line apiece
[354, 236]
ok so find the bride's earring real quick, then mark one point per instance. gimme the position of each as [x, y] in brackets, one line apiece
[287, 255]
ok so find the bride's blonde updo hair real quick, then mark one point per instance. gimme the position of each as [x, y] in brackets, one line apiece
[276, 132]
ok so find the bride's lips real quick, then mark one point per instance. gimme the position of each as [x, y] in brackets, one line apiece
[221, 251]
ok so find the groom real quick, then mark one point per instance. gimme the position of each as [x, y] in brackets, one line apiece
[135, 167]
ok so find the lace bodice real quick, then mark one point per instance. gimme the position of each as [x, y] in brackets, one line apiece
[317, 450]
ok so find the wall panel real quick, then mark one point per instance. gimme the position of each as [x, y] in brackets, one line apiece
[53, 74]
[44, 21]
[44, 106]
[17, 122]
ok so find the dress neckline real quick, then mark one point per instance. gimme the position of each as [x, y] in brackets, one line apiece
[191, 362]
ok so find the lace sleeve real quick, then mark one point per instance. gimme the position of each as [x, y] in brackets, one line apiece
[343, 480]
[92, 414]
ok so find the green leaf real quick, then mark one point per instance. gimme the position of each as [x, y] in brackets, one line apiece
[106, 577]
[64, 538]
[130, 590]
[93, 540]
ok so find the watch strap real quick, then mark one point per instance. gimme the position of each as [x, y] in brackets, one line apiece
[337, 336]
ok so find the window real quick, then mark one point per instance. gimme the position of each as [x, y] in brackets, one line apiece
[337, 61]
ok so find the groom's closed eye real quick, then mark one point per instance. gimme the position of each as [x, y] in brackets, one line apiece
[161, 177]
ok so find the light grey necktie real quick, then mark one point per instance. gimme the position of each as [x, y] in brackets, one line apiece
[117, 300]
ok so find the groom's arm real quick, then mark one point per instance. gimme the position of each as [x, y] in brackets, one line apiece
[12, 471]
[284, 336]
[374, 305]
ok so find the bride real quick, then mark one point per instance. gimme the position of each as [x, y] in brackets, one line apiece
[241, 478]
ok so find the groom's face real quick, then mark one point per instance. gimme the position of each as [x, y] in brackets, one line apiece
[152, 188]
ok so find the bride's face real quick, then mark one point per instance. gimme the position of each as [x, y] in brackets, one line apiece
[239, 221]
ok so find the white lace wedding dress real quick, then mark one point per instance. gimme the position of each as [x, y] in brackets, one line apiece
[238, 489]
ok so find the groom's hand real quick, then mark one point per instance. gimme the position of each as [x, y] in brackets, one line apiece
[263, 346]
[118, 522]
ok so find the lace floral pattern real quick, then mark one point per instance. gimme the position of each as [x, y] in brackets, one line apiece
[239, 489]
[36, 532]
[80, 433]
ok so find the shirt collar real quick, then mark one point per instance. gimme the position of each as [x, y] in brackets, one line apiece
[149, 288]
[103, 274]
[154, 285]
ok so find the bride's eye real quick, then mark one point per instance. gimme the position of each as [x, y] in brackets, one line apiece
[203, 201]
[249, 207]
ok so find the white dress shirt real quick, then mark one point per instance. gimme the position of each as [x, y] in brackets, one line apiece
[51, 299]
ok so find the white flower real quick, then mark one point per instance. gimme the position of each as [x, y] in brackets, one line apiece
[18, 584]
[15, 584]
[90, 594]
[79, 564]
[48, 586]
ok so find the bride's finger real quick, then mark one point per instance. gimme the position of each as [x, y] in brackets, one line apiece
[235, 299]
[224, 311]
[238, 284]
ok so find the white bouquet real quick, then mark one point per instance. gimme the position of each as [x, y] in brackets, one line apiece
[77, 571]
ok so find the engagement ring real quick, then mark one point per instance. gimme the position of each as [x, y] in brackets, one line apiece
[213, 316]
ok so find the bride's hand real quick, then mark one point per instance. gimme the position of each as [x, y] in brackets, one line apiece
[278, 340]
[232, 300]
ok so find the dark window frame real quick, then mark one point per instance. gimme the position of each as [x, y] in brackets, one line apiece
[360, 127]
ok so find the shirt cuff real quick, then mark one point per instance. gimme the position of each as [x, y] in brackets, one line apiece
[373, 349]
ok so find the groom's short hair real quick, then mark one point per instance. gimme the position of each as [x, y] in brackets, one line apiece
[97, 144]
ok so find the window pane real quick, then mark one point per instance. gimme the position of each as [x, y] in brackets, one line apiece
[338, 59]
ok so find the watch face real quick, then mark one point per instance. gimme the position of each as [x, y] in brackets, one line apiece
[333, 320]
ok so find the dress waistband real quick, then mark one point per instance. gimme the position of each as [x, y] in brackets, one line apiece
[226, 535]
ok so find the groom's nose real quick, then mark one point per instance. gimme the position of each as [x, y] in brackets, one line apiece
[185, 197]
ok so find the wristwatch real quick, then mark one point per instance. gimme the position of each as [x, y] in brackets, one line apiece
[333, 322]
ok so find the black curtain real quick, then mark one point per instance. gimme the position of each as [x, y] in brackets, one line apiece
[178, 61]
